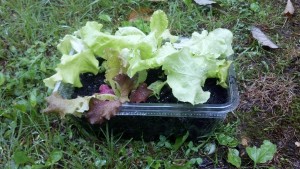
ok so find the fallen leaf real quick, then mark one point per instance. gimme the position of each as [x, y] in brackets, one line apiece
[204, 2]
[141, 94]
[289, 9]
[244, 141]
[101, 110]
[262, 38]
[141, 13]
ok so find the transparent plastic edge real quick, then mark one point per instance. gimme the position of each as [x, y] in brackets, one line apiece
[180, 110]
[187, 110]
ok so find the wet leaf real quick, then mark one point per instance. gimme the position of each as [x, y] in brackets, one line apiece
[204, 2]
[262, 154]
[234, 158]
[289, 9]
[262, 38]
[141, 94]
[101, 110]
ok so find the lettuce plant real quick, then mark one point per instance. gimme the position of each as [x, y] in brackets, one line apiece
[129, 53]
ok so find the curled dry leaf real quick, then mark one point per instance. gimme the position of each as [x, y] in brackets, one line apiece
[101, 110]
[204, 2]
[245, 141]
[289, 9]
[262, 38]
[141, 94]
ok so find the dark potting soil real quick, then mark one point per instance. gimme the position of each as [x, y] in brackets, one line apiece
[92, 82]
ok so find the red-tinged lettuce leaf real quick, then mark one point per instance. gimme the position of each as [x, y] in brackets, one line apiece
[101, 110]
[113, 66]
[125, 85]
[61, 106]
[105, 89]
[141, 94]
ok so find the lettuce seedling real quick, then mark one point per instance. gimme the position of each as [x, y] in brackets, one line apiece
[129, 54]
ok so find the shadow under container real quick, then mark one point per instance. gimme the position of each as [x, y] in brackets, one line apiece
[148, 121]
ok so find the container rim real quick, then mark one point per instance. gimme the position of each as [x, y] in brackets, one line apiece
[181, 109]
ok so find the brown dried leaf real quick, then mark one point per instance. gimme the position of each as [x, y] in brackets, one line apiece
[141, 13]
[101, 110]
[141, 94]
[262, 38]
[61, 106]
[204, 2]
[245, 141]
[289, 9]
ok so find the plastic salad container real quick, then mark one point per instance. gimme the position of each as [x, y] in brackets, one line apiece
[185, 64]
[151, 120]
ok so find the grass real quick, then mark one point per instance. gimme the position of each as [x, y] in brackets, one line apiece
[30, 31]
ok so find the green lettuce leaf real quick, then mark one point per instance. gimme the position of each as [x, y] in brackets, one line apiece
[131, 52]
[137, 64]
[69, 43]
[99, 42]
[222, 73]
[156, 88]
[186, 75]
[71, 67]
[158, 22]
[113, 66]
[216, 44]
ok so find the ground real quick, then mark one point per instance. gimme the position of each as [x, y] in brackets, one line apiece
[268, 83]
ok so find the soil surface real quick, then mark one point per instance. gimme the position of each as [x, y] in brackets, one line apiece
[91, 84]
